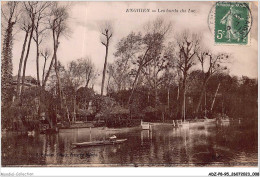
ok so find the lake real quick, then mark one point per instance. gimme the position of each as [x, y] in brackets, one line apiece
[197, 145]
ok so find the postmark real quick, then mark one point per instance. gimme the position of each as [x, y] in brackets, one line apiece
[230, 22]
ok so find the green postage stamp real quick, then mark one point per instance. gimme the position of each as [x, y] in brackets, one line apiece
[232, 23]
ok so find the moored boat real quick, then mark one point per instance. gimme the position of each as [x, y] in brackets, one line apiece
[99, 143]
[176, 123]
[224, 121]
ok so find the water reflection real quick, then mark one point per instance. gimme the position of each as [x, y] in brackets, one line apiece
[199, 145]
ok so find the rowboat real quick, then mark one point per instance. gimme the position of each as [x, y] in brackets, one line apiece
[99, 143]
[225, 121]
[180, 123]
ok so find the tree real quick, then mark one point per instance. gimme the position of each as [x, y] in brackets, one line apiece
[118, 76]
[169, 79]
[10, 15]
[106, 30]
[87, 69]
[25, 26]
[31, 11]
[57, 22]
[45, 54]
[58, 25]
[78, 72]
[155, 72]
[215, 64]
[187, 47]
[35, 12]
[151, 46]
[84, 95]
[40, 30]
[127, 50]
[81, 72]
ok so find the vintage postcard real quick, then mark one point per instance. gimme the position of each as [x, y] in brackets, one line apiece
[129, 84]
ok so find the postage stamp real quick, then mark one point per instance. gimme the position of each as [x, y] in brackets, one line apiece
[232, 23]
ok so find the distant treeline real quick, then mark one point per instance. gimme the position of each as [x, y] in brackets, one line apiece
[234, 96]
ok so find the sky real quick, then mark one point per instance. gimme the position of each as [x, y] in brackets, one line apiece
[84, 39]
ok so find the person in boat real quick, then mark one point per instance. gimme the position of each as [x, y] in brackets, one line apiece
[112, 138]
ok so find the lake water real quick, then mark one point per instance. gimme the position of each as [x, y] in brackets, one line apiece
[196, 145]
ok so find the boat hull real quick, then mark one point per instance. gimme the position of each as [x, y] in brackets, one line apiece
[99, 143]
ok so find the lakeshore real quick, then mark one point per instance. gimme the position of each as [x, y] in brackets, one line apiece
[199, 145]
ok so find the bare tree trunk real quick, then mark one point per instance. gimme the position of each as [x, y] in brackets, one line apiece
[155, 84]
[184, 106]
[57, 74]
[18, 91]
[49, 71]
[55, 44]
[212, 105]
[27, 55]
[134, 84]
[104, 70]
[179, 102]
[59, 86]
[137, 75]
[148, 96]
[37, 62]
[107, 32]
[200, 100]
[88, 77]
[74, 107]
[108, 84]
[222, 107]
[43, 71]
[205, 106]
[201, 95]
[168, 97]
[184, 96]
[178, 94]
[38, 76]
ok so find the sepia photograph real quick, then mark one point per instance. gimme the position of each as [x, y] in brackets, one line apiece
[129, 84]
